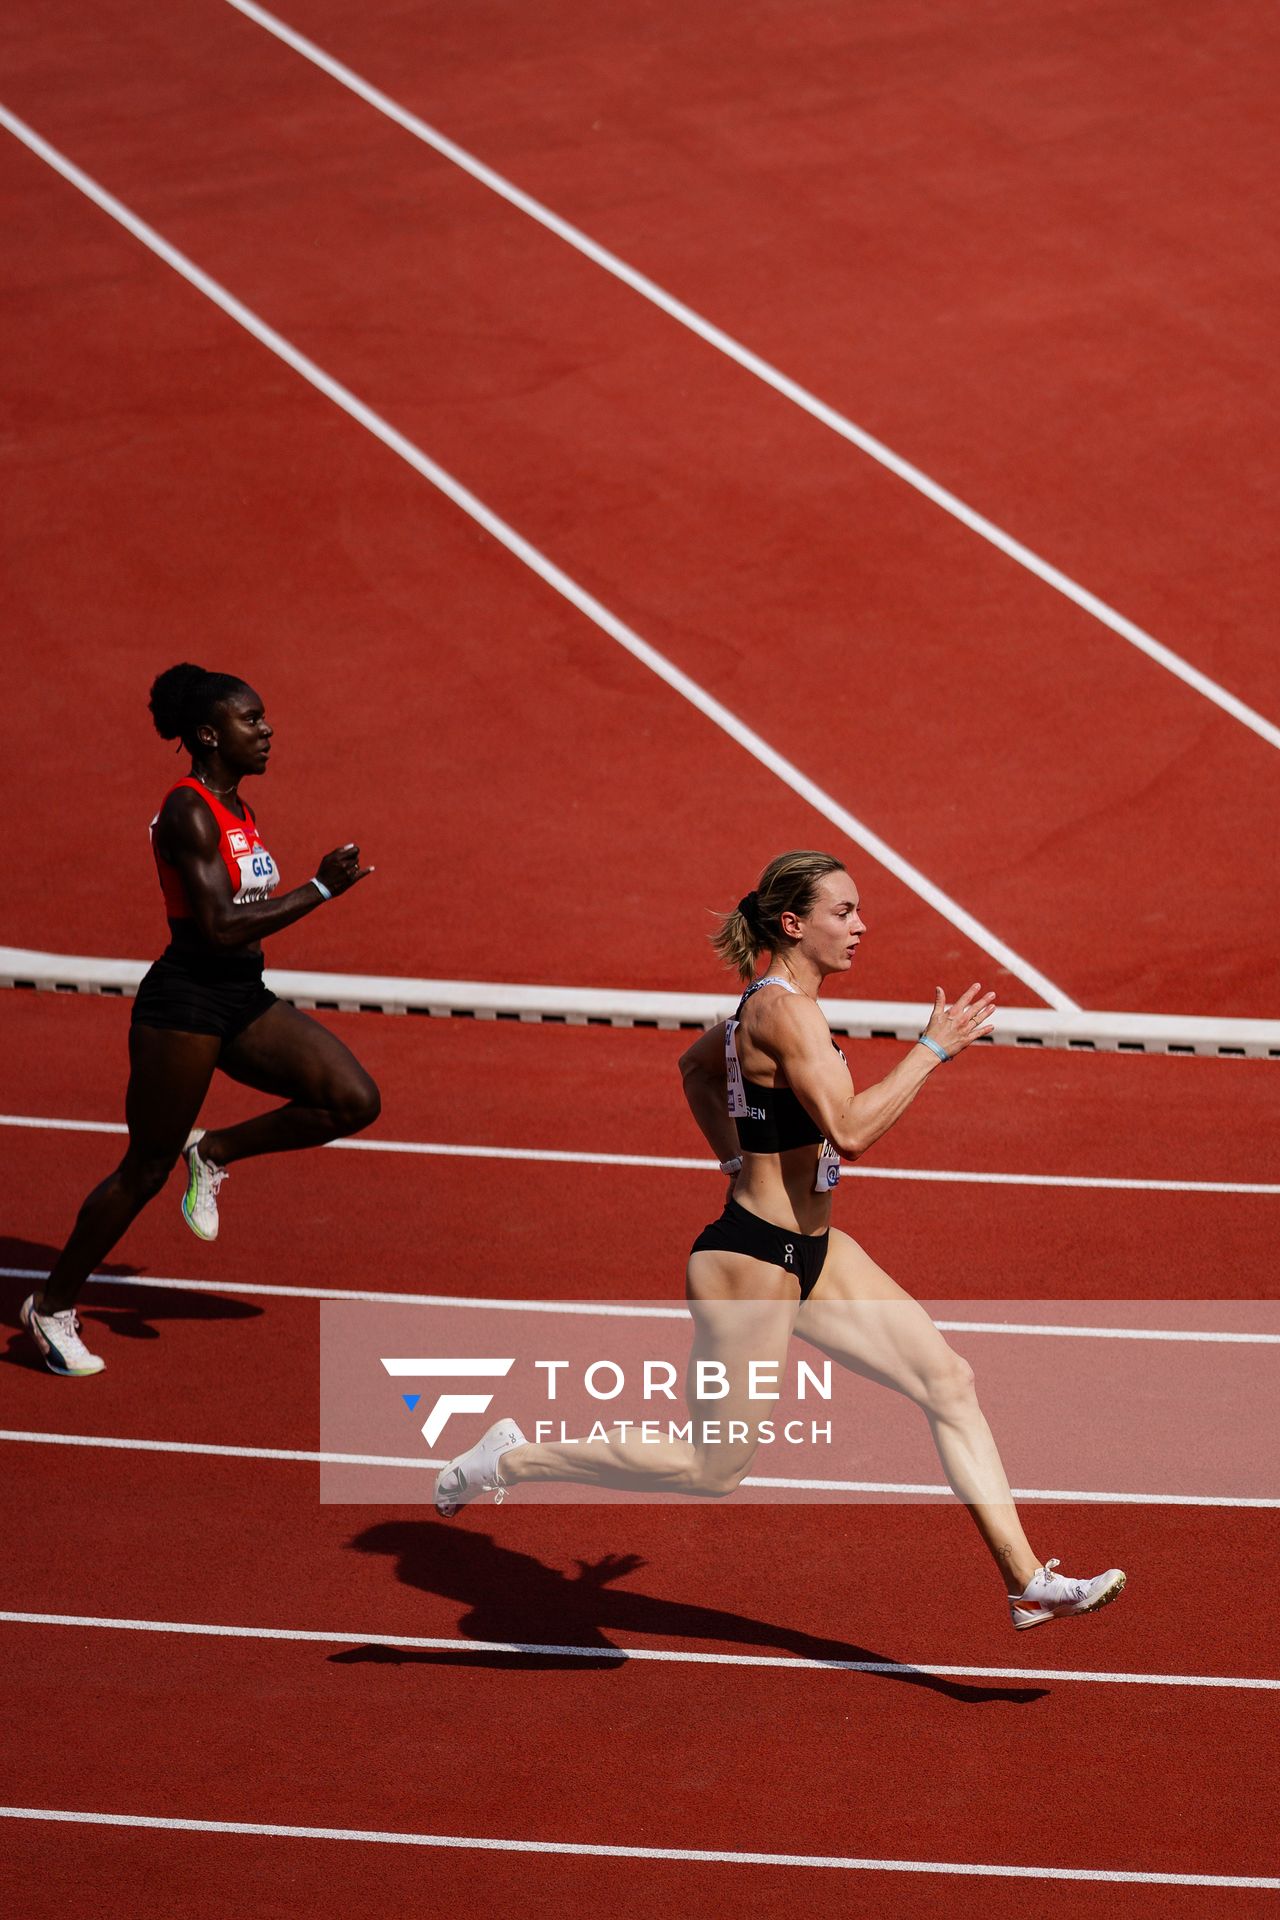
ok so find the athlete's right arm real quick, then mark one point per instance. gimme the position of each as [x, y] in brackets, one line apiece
[702, 1071]
[794, 1032]
[187, 836]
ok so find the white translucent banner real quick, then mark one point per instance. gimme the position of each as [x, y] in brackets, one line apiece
[1167, 1402]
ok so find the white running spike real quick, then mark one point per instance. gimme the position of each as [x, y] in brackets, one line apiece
[58, 1337]
[476, 1471]
[200, 1201]
[1052, 1596]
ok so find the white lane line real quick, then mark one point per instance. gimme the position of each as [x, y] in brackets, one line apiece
[891, 1488]
[453, 1643]
[631, 1310]
[621, 1310]
[700, 1855]
[203, 1447]
[555, 577]
[1185, 1335]
[676, 1163]
[771, 376]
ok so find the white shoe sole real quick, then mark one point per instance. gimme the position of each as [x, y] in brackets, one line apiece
[1045, 1615]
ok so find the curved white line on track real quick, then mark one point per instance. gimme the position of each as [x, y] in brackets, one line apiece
[634, 1310]
[771, 376]
[891, 1488]
[453, 1643]
[559, 1156]
[699, 1855]
[546, 570]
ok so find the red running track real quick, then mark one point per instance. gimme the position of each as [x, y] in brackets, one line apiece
[332, 544]
[347, 1737]
[1092, 778]
[1059, 222]
[527, 830]
[264, 1733]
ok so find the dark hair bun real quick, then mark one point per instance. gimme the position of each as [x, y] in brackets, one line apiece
[172, 699]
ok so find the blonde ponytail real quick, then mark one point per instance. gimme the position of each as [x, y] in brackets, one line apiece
[789, 884]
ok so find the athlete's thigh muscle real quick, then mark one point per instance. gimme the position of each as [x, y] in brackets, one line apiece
[169, 1075]
[287, 1053]
[743, 1312]
[869, 1323]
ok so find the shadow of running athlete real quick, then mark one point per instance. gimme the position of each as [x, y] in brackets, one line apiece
[512, 1596]
[125, 1302]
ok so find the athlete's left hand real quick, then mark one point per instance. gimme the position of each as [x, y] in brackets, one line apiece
[957, 1027]
[341, 869]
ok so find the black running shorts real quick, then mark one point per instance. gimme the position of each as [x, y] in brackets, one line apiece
[738, 1231]
[217, 993]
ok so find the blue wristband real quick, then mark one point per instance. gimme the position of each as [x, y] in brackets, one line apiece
[321, 888]
[923, 1040]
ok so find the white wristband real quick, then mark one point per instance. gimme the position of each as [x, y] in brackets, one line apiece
[321, 888]
[732, 1166]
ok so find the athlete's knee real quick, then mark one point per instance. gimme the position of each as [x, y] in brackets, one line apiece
[949, 1384]
[355, 1104]
[715, 1479]
[143, 1172]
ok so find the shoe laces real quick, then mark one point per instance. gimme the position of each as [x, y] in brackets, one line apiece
[67, 1322]
[209, 1175]
[1075, 1589]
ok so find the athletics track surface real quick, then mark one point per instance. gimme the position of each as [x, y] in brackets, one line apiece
[964, 237]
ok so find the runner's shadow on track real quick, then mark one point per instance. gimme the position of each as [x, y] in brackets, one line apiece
[515, 1598]
[127, 1310]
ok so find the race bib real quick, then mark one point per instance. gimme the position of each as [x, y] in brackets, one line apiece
[259, 876]
[738, 1108]
[828, 1175]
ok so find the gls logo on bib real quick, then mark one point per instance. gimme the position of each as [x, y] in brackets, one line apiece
[259, 876]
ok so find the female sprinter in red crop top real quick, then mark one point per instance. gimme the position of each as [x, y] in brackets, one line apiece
[772, 1264]
[203, 1004]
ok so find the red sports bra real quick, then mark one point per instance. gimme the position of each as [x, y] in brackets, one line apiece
[254, 874]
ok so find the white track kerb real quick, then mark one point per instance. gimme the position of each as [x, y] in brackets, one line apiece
[625, 1007]
[761, 369]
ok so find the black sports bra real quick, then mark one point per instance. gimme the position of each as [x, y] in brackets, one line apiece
[768, 1119]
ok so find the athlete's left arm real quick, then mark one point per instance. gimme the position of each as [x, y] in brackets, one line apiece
[702, 1069]
[797, 1036]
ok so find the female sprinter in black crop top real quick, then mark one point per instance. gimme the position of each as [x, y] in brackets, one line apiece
[772, 1264]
